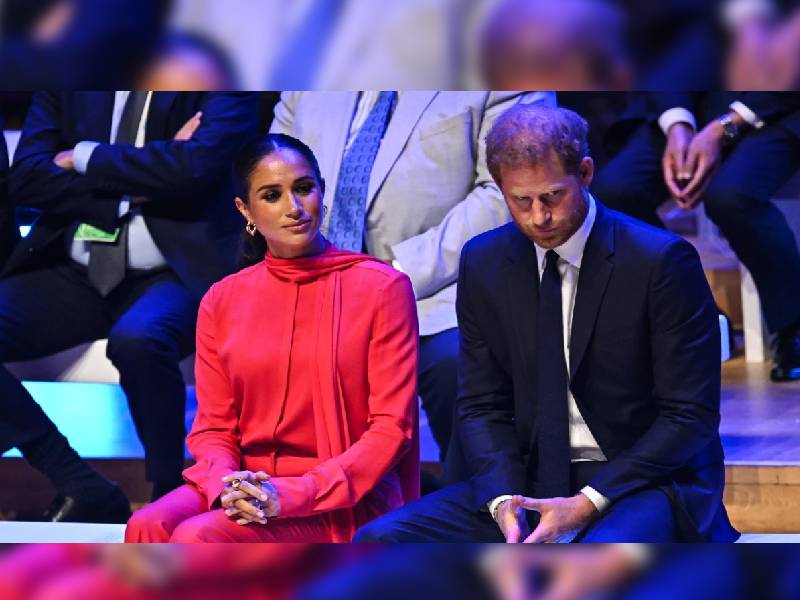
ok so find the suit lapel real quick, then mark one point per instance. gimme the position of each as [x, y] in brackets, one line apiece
[157, 115]
[95, 115]
[522, 284]
[596, 269]
[410, 107]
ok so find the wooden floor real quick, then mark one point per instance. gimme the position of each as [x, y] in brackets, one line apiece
[760, 432]
[760, 419]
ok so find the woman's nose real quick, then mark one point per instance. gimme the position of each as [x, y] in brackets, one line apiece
[296, 206]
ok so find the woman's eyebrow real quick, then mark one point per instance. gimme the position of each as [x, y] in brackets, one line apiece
[269, 186]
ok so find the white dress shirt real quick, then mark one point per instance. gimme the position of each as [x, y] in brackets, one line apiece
[142, 251]
[583, 446]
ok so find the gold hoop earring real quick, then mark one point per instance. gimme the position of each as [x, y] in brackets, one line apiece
[250, 228]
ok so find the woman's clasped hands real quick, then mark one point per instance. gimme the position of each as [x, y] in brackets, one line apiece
[249, 497]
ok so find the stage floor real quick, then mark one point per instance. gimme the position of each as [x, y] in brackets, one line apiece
[760, 419]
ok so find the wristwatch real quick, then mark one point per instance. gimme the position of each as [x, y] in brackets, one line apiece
[730, 131]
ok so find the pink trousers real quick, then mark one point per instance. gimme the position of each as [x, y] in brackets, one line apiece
[181, 516]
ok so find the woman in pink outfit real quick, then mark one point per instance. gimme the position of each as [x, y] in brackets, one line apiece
[306, 424]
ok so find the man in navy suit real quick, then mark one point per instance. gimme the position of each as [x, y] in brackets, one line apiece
[589, 366]
[137, 221]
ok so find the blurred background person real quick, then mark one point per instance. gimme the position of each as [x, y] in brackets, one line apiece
[572, 44]
[190, 63]
[305, 378]
[408, 184]
[764, 45]
[78, 44]
[131, 235]
[747, 148]
[161, 571]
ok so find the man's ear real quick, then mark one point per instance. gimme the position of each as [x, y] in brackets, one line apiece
[586, 171]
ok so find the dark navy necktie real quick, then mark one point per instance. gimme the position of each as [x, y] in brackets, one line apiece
[107, 261]
[552, 380]
[346, 227]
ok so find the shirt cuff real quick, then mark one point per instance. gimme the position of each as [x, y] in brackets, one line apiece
[492, 506]
[747, 114]
[601, 503]
[676, 115]
[81, 155]
[396, 266]
[124, 207]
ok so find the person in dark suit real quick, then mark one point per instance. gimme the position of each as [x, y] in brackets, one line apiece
[131, 235]
[8, 231]
[749, 147]
[602, 418]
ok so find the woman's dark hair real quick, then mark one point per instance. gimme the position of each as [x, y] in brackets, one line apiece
[253, 248]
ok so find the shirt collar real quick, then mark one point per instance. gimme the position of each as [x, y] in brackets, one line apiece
[571, 251]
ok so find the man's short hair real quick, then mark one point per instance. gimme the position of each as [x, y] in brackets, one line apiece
[524, 135]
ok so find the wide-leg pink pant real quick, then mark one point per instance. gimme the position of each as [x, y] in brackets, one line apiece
[181, 516]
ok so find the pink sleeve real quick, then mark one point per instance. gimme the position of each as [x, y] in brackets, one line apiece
[215, 440]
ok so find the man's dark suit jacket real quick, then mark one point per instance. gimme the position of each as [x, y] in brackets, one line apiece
[644, 367]
[8, 231]
[190, 212]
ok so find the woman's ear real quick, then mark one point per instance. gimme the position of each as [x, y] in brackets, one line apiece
[242, 208]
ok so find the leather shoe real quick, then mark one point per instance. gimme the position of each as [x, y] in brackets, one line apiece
[111, 506]
[787, 358]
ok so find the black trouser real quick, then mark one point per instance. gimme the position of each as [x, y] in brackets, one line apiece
[450, 515]
[737, 201]
[149, 321]
[438, 359]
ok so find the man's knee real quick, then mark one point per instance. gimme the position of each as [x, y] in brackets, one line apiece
[378, 531]
[726, 202]
[129, 346]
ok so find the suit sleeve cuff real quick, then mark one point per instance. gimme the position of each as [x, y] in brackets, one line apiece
[124, 207]
[748, 115]
[81, 155]
[492, 506]
[676, 115]
[601, 503]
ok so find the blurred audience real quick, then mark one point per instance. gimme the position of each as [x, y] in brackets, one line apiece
[136, 223]
[408, 183]
[360, 44]
[424, 572]
[732, 152]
